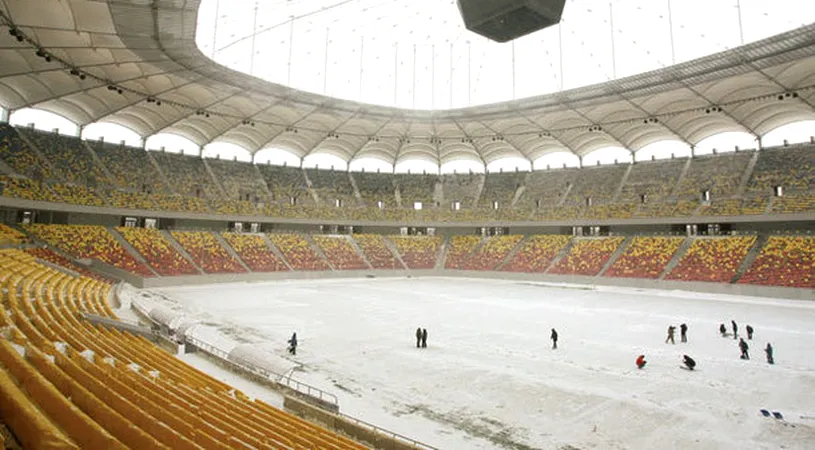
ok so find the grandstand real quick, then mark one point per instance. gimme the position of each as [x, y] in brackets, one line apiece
[526, 180]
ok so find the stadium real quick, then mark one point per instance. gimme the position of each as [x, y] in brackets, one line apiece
[221, 223]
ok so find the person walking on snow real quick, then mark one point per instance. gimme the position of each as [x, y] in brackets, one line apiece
[418, 337]
[683, 333]
[424, 337]
[554, 339]
[749, 332]
[735, 329]
[769, 351]
[641, 362]
[293, 344]
[689, 362]
[744, 347]
[723, 330]
[671, 331]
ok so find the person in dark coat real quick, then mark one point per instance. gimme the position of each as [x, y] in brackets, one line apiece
[749, 332]
[683, 333]
[424, 337]
[671, 331]
[769, 351]
[293, 344]
[744, 347]
[554, 339]
[689, 362]
[735, 329]
[418, 337]
[641, 362]
[723, 330]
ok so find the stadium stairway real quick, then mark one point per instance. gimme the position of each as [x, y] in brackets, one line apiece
[273, 248]
[620, 249]
[180, 249]
[619, 189]
[215, 180]
[680, 179]
[751, 257]
[160, 171]
[745, 177]
[563, 252]
[395, 251]
[129, 248]
[356, 248]
[318, 251]
[511, 254]
[231, 251]
[98, 162]
[442, 256]
[357, 195]
[49, 169]
[680, 253]
[474, 252]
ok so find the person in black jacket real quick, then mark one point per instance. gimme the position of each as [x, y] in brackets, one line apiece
[424, 337]
[293, 344]
[749, 332]
[769, 351]
[683, 333]
[689, 362]
[554, 339]
[744, 347]
[735, 329]
[418, 337]
[723, 330]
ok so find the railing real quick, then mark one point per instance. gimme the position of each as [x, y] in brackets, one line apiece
[308, 390]
[396, 436]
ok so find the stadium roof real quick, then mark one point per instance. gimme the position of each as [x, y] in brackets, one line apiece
[137, 64]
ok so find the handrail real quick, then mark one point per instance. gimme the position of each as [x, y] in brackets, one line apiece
[391, 434]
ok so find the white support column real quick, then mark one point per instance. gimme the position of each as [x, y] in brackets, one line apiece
[613, 53]
[291, 48]
[671, 32]
[361, 65]
[254, 39]
[325, 63]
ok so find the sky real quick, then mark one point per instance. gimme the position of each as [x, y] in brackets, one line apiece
[418, 55]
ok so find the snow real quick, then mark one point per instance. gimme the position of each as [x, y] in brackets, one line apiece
[489, 378]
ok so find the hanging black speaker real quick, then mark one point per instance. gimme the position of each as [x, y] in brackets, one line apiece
[506, 20]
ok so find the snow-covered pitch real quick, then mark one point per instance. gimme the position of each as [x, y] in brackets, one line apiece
[489, 378]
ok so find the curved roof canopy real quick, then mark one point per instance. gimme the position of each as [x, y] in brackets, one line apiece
[138, 64]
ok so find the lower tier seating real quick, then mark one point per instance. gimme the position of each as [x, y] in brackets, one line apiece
[158, 253]
[377, 251]
[712, 259]
[587, 256]
[417, 252]
[207, 252]
[298, 252]
[255, 253]
[784, 261]
[645, 257]
[340, 253]
[494, 251]
[537, 253]
[459, 249]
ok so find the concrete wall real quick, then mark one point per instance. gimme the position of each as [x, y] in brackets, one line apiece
[713, 288]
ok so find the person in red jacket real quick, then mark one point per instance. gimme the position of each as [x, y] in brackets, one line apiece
[641, 362]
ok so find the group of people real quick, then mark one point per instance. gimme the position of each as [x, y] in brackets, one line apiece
[421, 337]
[744, 348]
[683, 333]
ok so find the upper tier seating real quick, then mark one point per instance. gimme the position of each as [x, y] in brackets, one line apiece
[375, 187]
[18, 155]
[331, 185]
[494, 251]
[187, 175]
[416, 188]
[461, 188]
[377, 252]
[546, 188]
[459, 249]
[720, 174]
[790, 167]
[298, 252]
[27, 189]
[240, 180]
[501, 188]
[101, 388]
[158, 253]
[207, 252]
[645, 257]
[127, 199]
[254, 252]
[70, 159]
[77, 195]
[736, 206]
[791, 204]
[610, 211]
[340, 253]
[714, 259]
[587, 256]
[537, 253]
[784, 261]
[682, 208]
[418, 252]
[9, 235]
[89, 241]
[130, 167]
[166, 202]
[654, 179]
[285, 183]
[599, 183]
